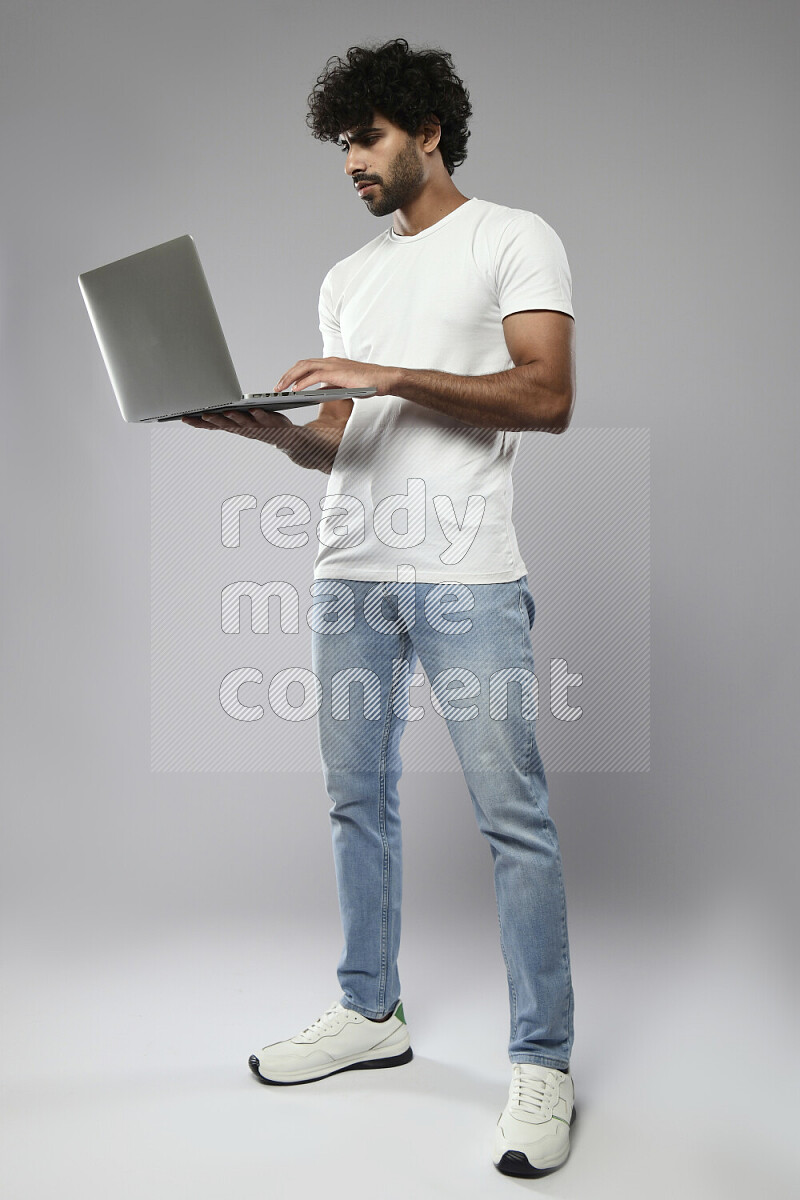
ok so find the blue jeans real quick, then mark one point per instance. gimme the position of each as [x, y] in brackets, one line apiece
[363, 657]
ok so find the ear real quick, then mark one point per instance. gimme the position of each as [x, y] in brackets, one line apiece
[431, 129]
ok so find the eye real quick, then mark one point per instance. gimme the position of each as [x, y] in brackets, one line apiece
[366, 142]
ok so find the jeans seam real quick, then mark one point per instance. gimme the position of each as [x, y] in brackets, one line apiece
[511, 987]
[385, 840]
[540, 1059]
[369, 1013]
[386, 863]
[528, 760]
[565, 957]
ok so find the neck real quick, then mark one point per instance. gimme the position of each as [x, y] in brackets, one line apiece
[431, 205]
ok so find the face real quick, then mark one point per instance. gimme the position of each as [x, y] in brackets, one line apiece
[388, 158]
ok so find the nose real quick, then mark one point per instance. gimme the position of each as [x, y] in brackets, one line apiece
[354, 162]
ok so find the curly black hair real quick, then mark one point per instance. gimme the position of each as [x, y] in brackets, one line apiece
[406, 86]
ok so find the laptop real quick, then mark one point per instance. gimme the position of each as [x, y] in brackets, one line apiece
[163, 345]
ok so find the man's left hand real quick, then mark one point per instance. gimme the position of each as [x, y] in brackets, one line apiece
[339, 373]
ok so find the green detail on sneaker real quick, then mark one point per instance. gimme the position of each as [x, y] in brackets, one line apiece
[398, 1012]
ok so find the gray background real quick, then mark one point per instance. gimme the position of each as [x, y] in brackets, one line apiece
[158, 927]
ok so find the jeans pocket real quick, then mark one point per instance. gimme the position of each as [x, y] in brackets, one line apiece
[530, 606]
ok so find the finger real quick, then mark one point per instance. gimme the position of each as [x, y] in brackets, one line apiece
[267, 420]
[240, 417]
[217, 420]
[305, 379]
[203, 422]
[287, 376]
[299, 372]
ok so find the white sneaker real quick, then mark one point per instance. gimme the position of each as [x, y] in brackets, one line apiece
[532, 1134]
[339, 1040]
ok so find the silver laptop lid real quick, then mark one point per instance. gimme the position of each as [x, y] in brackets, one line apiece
[162, 342]
[159, 332]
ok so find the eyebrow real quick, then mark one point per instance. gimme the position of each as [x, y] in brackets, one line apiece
[358, 134]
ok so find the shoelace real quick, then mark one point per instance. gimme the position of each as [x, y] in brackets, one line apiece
[528, 1092]
[320, 1023]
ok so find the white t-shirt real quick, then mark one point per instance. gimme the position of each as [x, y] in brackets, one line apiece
[411, 486]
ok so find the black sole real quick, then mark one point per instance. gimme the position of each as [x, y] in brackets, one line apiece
[514, 1162]
[368, 1065]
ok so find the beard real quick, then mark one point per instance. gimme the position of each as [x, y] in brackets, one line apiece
[406, 177]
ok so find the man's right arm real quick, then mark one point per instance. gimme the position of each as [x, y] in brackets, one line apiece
[313, 445]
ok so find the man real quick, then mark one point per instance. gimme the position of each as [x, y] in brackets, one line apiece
[460, 315]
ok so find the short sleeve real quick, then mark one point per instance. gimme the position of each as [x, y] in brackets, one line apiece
[531, 268]
[329, 322]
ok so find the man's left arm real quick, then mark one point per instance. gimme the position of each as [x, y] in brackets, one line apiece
[537, 393]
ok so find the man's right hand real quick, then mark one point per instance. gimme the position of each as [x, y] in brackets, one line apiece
[258, 423]
[313, 445]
